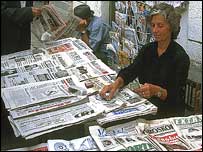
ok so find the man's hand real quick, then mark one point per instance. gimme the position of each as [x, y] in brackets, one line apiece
[36, 11]
[82, 25]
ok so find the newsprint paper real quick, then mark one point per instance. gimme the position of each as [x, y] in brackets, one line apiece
[23, 95]
[166, 134]
[123, 137]
[80, 144]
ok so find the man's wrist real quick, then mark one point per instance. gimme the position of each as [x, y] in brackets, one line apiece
[160, 92]
[83, 32]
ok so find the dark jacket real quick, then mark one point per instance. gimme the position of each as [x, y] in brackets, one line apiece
[15, 26]
[168, 71]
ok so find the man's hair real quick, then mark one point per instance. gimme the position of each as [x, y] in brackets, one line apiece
[83, 11]
[171, 16]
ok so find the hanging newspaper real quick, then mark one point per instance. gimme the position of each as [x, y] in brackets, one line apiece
[80, 144]
[120, 19]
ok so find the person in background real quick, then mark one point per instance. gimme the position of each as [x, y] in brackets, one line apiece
[16, 18]
[161, 66]
[94, 31]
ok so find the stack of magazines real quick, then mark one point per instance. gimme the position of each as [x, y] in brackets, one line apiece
[46, 89]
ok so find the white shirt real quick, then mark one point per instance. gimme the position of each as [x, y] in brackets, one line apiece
[22, 3]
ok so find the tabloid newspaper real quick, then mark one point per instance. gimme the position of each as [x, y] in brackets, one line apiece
[191, 127]
[123, 137]
[166, 134]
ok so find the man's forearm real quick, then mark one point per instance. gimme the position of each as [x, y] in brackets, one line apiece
[85, 38]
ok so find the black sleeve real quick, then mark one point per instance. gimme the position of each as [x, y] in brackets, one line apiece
[19, 16]
[181, 73]
[131, 72]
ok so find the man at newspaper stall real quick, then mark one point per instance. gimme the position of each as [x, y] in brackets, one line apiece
[16, 18]
[161, 66]
[94, 31]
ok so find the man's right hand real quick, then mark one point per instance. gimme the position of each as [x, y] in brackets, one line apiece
[36, 11]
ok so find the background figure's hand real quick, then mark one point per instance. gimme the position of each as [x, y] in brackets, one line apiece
[146, 91]
[108, 91]
[82, 25]
[36, 11]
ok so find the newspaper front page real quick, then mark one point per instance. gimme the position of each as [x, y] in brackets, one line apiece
[123, 137]
[166, 135]
[47, 106]
[191, 127]
[63, 117]
[23, 95]
[144, 108]
[90, 70]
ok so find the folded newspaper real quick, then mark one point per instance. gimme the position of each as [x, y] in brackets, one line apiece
[51, 26]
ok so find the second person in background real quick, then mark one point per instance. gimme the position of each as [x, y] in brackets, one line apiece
[94, 31]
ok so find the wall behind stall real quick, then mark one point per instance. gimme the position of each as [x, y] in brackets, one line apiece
[100, 8]
[190, 37]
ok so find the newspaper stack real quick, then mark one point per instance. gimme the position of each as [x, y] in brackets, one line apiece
[171, 134]
[126, 104]
[123, 137]
[42, 84]
[46, 89]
